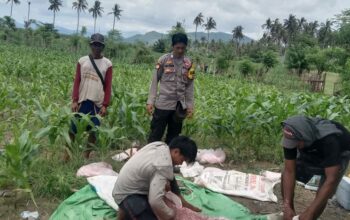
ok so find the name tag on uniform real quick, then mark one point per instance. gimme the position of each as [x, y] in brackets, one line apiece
[169, 68]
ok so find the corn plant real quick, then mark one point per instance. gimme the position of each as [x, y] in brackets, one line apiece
[19, 157]
[56, 125]
[242, 115]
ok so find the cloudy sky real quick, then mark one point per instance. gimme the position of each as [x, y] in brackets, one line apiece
[140, 16]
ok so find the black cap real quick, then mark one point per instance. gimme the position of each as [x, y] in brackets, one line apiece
[97, 38]
[289, 140]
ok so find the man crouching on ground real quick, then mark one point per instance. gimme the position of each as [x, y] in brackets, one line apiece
[313, 146]
[140, 188]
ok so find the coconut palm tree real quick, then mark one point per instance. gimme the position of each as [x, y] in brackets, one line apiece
[301, 23]
[267, 25]
[325, 33]
[291, 27]
[237, 36]
[96, 11]
[279, 35]
[55, 7]
[17, 2]
[116, 12]
[311, 28]
[28, 11]
[211, 24]
[29, 21]
[80, 6]
[238, 33]
[198, 21]
[276, 31]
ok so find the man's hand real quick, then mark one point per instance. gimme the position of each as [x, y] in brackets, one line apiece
[325, 192]
[287, 189]
[103, 111]
[288, 213]
[167, 187]
[194, 208]
[189, 112]
[121, 215]
[188, 205]
[150, 109]
[305, 216]
[74, 106]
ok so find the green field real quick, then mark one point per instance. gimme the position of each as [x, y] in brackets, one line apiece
[35, 86]
[244, 87]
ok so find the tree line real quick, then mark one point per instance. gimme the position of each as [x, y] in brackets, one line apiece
[300, 45]
[79, 5]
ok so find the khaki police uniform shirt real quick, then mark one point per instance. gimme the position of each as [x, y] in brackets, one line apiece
[147, 173]
[174, 85]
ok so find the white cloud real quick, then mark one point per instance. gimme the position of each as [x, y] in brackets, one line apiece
[147, 15]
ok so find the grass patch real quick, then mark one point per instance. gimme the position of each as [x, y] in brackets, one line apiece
[331, 79]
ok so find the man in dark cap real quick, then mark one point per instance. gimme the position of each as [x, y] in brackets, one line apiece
[313, 146]
[92, 87]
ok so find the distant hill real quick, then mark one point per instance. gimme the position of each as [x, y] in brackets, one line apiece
[63, 30]
[60, 30]
[148, 38]
[153, 36]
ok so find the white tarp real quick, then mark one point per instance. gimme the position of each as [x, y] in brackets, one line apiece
[238, 184]
[104, 187]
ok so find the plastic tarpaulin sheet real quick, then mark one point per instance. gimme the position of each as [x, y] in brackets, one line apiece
[84, 205]
[87, 205]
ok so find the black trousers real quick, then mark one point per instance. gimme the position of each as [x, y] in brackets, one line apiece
[161, 120]
[305, 170]
[136, 207]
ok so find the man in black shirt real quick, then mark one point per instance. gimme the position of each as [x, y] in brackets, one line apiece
[313, 146]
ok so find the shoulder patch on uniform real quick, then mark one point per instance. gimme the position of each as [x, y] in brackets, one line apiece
[163, 58]
[186, 59]
[188, 63]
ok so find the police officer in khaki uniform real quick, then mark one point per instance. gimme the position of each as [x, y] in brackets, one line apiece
[174, 101]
